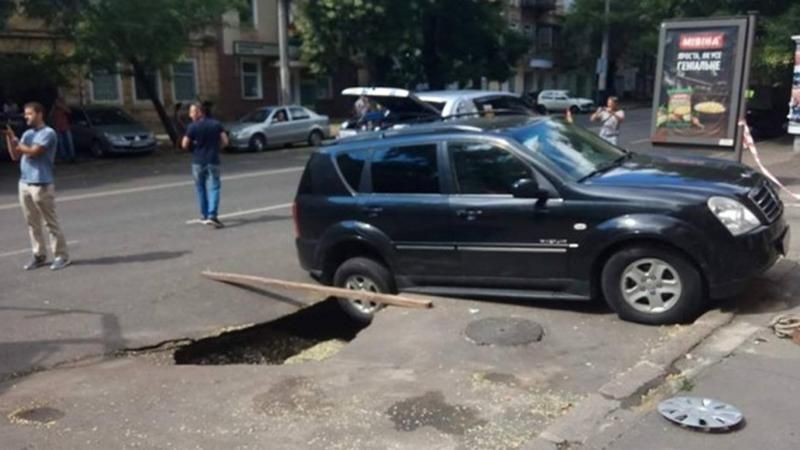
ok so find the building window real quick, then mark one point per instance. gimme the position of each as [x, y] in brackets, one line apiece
[153, 79]
[105, 86]
[324, 88]
[248, 13]
[251, 79]
[184, 81]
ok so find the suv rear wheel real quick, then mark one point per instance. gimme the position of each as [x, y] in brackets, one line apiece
[362, 274]
[652, 285]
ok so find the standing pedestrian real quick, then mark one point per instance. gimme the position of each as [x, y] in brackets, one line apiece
[37, 149]
[61, 122]
[362, 106]
[610, 117]
[204, 138]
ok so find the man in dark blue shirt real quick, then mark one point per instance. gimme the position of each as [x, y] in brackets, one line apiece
[204, 138]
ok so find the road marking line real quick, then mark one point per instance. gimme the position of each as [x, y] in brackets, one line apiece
[245, 213]
[640, 141]
[241, 176]
[27, 250]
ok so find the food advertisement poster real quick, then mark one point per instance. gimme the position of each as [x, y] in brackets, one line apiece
[794, 103]
[698, 85]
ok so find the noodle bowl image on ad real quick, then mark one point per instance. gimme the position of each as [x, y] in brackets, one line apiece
[699, 82]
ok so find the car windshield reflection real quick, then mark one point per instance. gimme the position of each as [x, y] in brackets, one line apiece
[104, 117]
[569, 149]
[257, 116]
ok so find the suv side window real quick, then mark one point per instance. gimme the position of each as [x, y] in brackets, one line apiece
[482, 168]
[405, 170]
[351, 164]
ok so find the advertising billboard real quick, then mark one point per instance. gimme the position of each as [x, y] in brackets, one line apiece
[794, 102]
[699, 82]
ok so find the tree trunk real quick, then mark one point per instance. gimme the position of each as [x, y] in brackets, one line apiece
[431, 62]
[140, 73]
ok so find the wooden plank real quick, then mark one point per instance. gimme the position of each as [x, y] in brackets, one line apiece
[261, 282]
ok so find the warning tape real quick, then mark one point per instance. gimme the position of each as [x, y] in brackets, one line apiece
[751, 146]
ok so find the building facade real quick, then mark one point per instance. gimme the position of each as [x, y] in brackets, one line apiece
[540, 22]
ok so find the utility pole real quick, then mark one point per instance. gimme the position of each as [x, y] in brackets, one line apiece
[602, 79]
[283, 44]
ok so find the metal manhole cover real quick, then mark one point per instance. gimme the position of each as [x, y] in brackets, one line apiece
[701, 413]
[503, 331]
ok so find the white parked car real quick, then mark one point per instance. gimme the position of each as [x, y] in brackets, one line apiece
[560, 100]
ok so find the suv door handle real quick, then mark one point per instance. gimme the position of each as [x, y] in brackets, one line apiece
[469, 213]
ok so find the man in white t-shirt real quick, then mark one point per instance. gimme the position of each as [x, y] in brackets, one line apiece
[610, 118]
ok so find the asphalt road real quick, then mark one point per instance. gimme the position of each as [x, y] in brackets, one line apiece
[136, 275]
[136, 279]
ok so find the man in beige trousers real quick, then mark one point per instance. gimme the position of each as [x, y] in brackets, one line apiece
[37, 149]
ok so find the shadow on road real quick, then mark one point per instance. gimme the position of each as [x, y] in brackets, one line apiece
[129, 259]
[17, 358]
[234, 223]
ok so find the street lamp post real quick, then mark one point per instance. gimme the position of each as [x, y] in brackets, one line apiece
[602, 79]
[283, 48]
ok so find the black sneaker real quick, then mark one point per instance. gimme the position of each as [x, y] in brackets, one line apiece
[216, 223]
[35, 263]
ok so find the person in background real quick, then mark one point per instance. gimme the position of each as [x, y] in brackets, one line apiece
[362, 106]
[610, 118]
[204, 138]
[63, 126]
[37, 149]
[179, 123]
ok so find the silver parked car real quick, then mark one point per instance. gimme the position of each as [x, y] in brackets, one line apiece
[278, 125]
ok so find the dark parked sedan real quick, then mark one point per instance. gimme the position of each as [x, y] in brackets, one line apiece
[105, 130]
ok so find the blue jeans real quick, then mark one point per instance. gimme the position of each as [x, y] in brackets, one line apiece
[66, 148]
[207, 196]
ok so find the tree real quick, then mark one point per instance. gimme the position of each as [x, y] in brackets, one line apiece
[413, 41]
[146, 34]
[635, 28]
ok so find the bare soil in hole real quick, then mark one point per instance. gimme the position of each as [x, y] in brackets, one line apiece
[273, 342]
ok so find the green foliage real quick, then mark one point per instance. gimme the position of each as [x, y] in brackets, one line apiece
[146, 34]
[407, 42]
[635, 25]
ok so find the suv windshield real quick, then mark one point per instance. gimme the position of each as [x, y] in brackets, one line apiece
[103, 117]
[503, 103]
[569, 149]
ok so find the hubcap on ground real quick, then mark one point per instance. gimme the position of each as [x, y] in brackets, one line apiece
[699, 412]
[651, 285]
[362, 283]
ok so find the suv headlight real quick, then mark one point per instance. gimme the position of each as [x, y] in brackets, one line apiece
[736, 217]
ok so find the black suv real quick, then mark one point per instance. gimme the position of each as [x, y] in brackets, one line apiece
[533, 208]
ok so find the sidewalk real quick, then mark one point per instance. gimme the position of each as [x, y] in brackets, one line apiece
[761, 378]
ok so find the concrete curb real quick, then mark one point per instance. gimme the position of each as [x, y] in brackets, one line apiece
[626, 388]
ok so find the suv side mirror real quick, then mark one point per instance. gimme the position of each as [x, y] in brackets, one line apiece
[527, 188]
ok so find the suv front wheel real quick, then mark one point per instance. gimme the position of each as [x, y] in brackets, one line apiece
[652, 285]
[362, 274]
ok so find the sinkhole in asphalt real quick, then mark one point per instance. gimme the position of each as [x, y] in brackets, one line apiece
[313, 333]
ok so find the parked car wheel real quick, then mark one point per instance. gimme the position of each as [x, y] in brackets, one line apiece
[362, 274]
[652, 285]
[258, 143]
[315, 138]
[574, 109]
[98, 149]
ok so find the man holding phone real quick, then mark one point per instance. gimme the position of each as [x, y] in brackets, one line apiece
[611, 117]
[36, 151]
